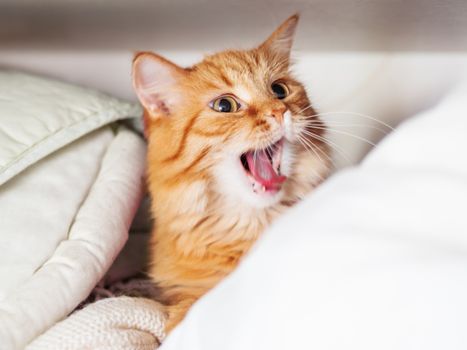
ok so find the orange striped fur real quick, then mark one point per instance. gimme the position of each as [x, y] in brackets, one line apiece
[205, 217]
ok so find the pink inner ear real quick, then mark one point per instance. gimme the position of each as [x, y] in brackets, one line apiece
[154, 72]
[155, 83]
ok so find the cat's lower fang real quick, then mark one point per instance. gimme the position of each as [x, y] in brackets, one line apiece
[257, 188]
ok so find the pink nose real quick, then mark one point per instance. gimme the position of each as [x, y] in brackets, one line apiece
[278, 114]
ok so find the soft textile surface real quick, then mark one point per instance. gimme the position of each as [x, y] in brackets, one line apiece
[116, 323]
[69, 188]
[38, 207]
[39, 115]
[376, 258]
[63, 221]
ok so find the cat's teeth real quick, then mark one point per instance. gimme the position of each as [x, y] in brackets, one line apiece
[256, 187]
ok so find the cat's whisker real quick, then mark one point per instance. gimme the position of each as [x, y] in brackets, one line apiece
[342, 113]
[304, 142]
[331, 144]
[326, 123]
[304, 109]
[311, 145]
[310, 148]
[344, 133]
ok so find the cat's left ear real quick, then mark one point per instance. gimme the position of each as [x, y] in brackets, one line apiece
[157, 83]
[280, 42]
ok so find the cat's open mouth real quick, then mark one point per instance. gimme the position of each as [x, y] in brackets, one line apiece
[263, 168]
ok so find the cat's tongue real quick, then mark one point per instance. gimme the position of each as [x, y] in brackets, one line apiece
[263, 171]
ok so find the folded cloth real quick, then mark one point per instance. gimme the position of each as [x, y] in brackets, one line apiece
[112, 323]
[71, 180]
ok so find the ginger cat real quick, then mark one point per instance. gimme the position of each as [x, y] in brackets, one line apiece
[232, 142]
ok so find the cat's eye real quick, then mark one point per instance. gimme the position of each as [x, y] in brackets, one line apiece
[280, 90]
[225, 104]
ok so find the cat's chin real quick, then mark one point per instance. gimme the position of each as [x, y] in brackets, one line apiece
[266, 198]
[249, 194]
[258, 196]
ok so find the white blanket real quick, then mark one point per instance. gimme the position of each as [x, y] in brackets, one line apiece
[376, 258]
[69, 187]
[120, 323]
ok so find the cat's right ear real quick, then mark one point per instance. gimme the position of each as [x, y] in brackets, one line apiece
[156, 82]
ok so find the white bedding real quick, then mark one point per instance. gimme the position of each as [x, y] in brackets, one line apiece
[376, 258]
[70, 184]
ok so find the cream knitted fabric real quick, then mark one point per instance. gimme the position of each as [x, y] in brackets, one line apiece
[121, 323]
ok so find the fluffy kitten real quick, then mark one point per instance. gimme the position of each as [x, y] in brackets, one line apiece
[229, 150]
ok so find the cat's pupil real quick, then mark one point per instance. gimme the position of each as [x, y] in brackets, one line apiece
[279, 91]
[225, 105]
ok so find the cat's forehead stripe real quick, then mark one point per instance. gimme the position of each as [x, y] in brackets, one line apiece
[242, 73]
[243, 93]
